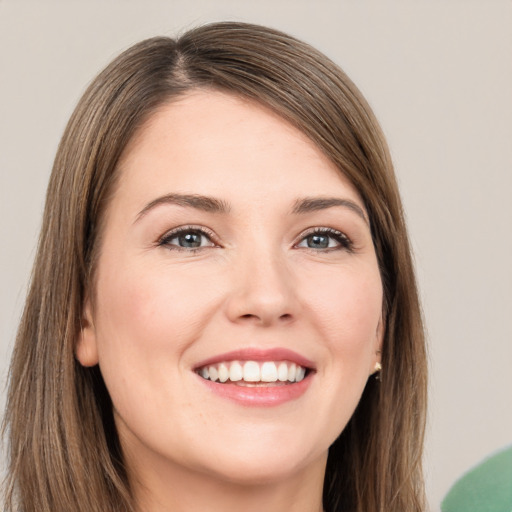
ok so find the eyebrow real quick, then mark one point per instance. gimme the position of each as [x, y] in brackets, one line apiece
[313, 204]
[214, 205]
[204, 203]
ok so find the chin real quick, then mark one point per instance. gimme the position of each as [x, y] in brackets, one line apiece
[265, 458]
[263, 471]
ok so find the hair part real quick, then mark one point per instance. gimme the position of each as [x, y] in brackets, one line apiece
[64, 451]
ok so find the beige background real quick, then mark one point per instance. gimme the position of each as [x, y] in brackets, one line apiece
[439, 76]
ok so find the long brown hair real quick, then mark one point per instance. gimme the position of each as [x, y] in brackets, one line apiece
[63, 447]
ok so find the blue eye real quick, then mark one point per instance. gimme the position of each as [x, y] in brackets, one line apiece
[186, 239]
[325, 239]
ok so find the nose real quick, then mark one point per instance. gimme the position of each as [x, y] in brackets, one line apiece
[264, 291]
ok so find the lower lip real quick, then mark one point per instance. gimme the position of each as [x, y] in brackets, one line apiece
[264, 396]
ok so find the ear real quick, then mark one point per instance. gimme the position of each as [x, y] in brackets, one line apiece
[86, 349]
[379, 335]
[379, 340]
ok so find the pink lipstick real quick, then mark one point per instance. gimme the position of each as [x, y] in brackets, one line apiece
[256, 377]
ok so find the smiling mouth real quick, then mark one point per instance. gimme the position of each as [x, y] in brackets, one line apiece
[254, 373]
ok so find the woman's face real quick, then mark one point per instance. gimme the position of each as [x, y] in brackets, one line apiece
[234, 251]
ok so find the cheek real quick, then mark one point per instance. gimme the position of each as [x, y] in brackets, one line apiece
[347, 310]
[146, 319]
[158, 307]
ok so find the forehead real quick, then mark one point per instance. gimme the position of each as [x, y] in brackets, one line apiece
[215, 143]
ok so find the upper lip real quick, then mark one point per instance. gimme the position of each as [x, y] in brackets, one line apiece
[258, 354]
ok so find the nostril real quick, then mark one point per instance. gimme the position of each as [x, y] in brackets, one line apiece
[250, 316]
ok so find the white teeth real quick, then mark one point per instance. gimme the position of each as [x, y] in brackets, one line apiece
[282, 372]
[252, 371]
[291, 372]
[268, 372]
[236, 372]
[223, 372]
[214, 374]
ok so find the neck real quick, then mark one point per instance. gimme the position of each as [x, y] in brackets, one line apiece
[182, 490]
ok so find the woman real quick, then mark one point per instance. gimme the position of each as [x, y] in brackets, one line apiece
[223, 271]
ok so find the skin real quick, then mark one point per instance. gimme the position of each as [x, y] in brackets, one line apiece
[159, 309]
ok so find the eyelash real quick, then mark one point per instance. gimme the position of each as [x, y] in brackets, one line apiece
[344, 243]
[165, 241]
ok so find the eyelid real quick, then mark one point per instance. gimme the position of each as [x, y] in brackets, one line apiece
[173, 233]
[345, 243]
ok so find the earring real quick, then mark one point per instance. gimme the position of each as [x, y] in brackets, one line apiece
[377, 370]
